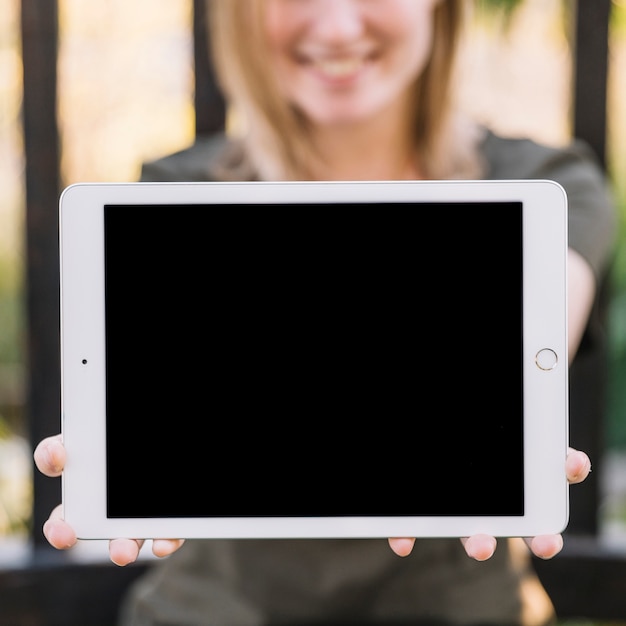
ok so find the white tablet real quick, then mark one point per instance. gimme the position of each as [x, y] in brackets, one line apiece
[314, 359]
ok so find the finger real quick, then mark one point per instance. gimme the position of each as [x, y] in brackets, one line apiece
[479, 547]
[577, 466]
[124, 551]
[50, 455]
[402, 546]
[545, 546]
[165, 547]
[59, 533]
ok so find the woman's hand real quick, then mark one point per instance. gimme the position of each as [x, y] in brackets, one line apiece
[50, 458]
[482, 547]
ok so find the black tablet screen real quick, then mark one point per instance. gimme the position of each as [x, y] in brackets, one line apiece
[314, 360]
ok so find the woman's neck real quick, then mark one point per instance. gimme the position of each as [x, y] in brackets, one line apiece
[381, 149]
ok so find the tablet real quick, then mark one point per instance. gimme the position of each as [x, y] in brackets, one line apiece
[314, 359]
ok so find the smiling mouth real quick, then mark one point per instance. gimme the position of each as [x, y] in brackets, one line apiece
[339, 68]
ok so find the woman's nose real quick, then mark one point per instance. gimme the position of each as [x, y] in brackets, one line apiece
[338, 20]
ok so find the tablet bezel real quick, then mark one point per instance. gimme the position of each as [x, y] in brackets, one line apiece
[83, 356]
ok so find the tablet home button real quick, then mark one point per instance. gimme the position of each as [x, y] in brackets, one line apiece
[546, 359]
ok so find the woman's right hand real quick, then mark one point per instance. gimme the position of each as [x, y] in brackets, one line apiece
[50, 458]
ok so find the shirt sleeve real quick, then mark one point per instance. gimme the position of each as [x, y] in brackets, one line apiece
[592, 215]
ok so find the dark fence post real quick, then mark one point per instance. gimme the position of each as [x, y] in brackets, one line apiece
[39, 31]
[590, 73]
[587, 414]
[209, 103]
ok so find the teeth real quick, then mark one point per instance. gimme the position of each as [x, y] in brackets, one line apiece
[339, 67]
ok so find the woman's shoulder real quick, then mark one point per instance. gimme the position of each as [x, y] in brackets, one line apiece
[575, 166]
[214, 157]
[522, 157]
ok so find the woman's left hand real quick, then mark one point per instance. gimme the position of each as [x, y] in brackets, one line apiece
[482, 547]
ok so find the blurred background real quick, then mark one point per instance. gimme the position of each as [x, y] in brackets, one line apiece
[126, 95]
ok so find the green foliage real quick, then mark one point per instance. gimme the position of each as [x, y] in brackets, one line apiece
[618, 19]
[498, 8]
[5, 429]
[505, 6]
[11, 310]
[498, 14]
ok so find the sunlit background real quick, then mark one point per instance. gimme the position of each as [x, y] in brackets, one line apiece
[125, 85]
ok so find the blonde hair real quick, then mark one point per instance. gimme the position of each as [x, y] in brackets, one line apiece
[275, 136]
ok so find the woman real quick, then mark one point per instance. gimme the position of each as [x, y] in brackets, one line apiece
[356, 90]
